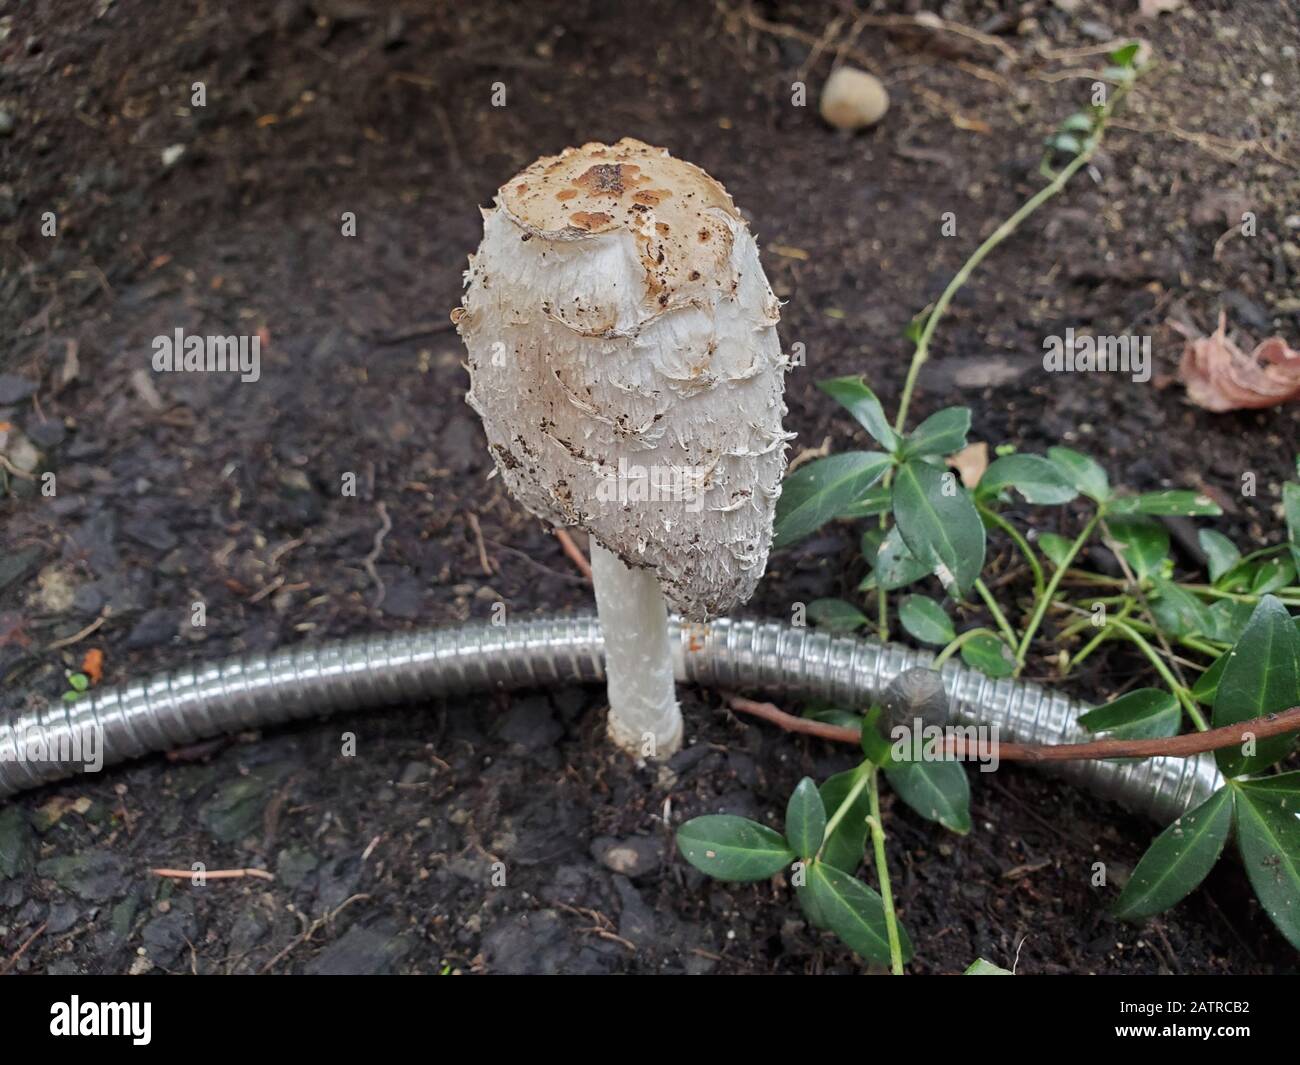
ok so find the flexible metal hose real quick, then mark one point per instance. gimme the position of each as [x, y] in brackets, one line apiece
[255, 691]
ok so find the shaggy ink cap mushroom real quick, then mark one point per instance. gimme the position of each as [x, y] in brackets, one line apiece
[624, 360]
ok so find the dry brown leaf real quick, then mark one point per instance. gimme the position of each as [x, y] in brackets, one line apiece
[1220, 376]
[971, 462]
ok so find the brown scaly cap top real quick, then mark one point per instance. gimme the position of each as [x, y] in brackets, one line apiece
[674, 209]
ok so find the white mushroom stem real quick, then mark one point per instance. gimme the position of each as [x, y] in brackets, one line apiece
[644, 718]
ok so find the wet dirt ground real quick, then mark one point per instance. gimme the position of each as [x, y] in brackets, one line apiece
[174, 489]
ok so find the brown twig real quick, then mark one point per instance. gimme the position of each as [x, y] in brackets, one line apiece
[574, 552]
[213, 874]
[77, 637]
[385, 527]
[1184, 746]
[13, 958]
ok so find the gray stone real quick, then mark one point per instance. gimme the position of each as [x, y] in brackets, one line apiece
[93, 875]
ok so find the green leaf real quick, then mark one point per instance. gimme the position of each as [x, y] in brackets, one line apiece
[1179, 859]
[1118, 74]
[940, 434]
[895, 566]
[1147, 713]
[1039, 481]
[1077, 123]
[831, 715]
[845, 846]
[989, 654]
[733, 848]
[939, 524]
[925, 620]
[1056, 548]
[1268, 836]
[1066, 143]
[938, 791]
[879, 751]
[1262, 677]
[980, 967]
[1124, 55]
[853, 394]
[71, 697]
[914, 328]
[1221, 552]
[820, 491]
[1271, 575]
[1291, 508]
[1229, 618]
[79, 681]
[805, 819]
[855, 913]
[1175, 502]
[1082, 472]
[836, 615]
[1207, 684]
[1144, 543]
[874, 501]
[1179, 612]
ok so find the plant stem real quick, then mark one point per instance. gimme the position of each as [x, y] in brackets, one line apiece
[843, 808]
[1000, 234]
[955, 645]
[1097, 640]
[1021, 543]
[1040, 608]
[996, 611]
[882, 871]
[1178, 690]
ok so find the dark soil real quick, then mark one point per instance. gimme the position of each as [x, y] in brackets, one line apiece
[176, 489]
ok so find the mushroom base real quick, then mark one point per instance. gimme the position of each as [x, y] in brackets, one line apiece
[644, 718]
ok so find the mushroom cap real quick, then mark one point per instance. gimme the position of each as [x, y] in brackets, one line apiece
[624, 360]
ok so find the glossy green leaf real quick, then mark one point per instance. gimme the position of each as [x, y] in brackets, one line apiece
[805, 819]
[853, 394]
[831, 715]
[980, 967]
[1147, 713]
[1143, 542]
[855, 913]
[1179, 612]
[1041, 482]
[835, 615]
[1124, 56]
[1220, 552]
[845, 846]
[733, 848]
[874, 501]
[1262, 676]
[925, 620]
[1229, 619]
[895, 566]
[1268, 836]
[1055, 547]
[938, 791]
[1271, 575]
[821, 490]
[1207, 684]
[989, 654]
[1082, 472]
[1067, 143]
[875, 746]
[943, 433]
[1178, 860]
[1173, 502]
[1291, 508]
[939, 524]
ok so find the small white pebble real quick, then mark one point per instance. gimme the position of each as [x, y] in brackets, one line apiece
[853, 99]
